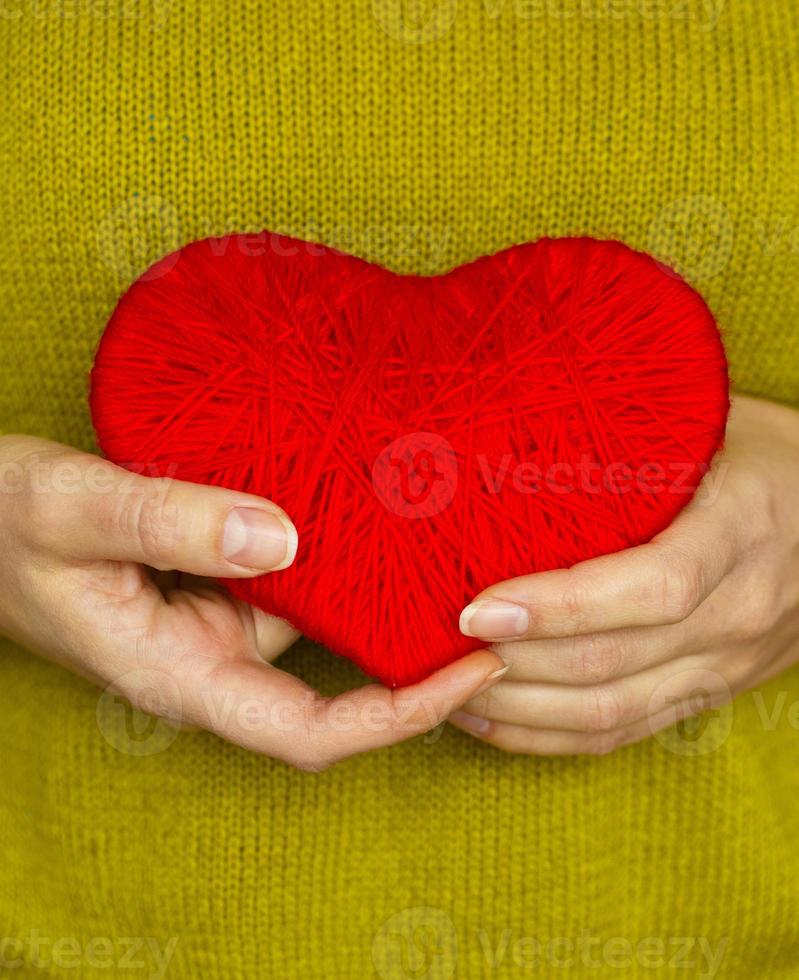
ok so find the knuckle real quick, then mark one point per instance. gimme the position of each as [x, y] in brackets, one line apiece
[42, 483]
[575, 599]
[311, 760]
[150, 518]
[151, 696]
[761, 519]
[597, 658]
[602, 710]
[505, 741]
[417, 715]
[42, 520]
[311, 752]
[603, 743]
[758, 614]
[679, 588]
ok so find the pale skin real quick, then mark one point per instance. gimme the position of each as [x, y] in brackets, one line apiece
[581, 661]
[614, 649]
[80, 538]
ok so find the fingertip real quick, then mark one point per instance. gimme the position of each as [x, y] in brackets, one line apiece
[473, 724]
[494, 619]
[292, 541]
[259, 540]
[466, 677]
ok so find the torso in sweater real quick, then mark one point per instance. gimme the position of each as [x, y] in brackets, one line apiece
[128, 129]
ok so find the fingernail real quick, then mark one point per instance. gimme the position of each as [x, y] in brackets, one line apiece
[259, 539]
[494, 619]
[492, 679]
[472, 722]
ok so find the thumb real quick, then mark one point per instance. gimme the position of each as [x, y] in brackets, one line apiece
[110, 513]
[312, 732]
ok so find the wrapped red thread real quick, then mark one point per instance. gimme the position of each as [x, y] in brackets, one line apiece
[429, 436]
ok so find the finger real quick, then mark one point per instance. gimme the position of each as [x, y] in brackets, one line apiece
[272, 635]
[110, 513]
[524, 740]
[600, 708]
[521, 740]
[194, 652]
[657, 583]
[269, 635]
[595, 658]
[269, 711]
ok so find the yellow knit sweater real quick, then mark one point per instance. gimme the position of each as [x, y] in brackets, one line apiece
[421, 136]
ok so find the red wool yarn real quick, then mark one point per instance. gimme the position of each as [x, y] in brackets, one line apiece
[429, 436]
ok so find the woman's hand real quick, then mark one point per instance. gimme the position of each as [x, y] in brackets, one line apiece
[611, 650]
[77, 535]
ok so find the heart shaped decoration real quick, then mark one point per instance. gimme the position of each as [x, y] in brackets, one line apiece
[429, 436]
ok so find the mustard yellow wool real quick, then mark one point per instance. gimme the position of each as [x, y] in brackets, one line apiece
[419, 138]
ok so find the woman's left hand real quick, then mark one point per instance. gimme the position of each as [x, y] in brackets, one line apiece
[614, 649]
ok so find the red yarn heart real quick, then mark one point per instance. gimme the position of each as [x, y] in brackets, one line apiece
[428, 436]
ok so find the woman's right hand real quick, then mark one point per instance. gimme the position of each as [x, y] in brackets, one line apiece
[79, 536]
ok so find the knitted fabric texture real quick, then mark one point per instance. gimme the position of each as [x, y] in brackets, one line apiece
[129, 129]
